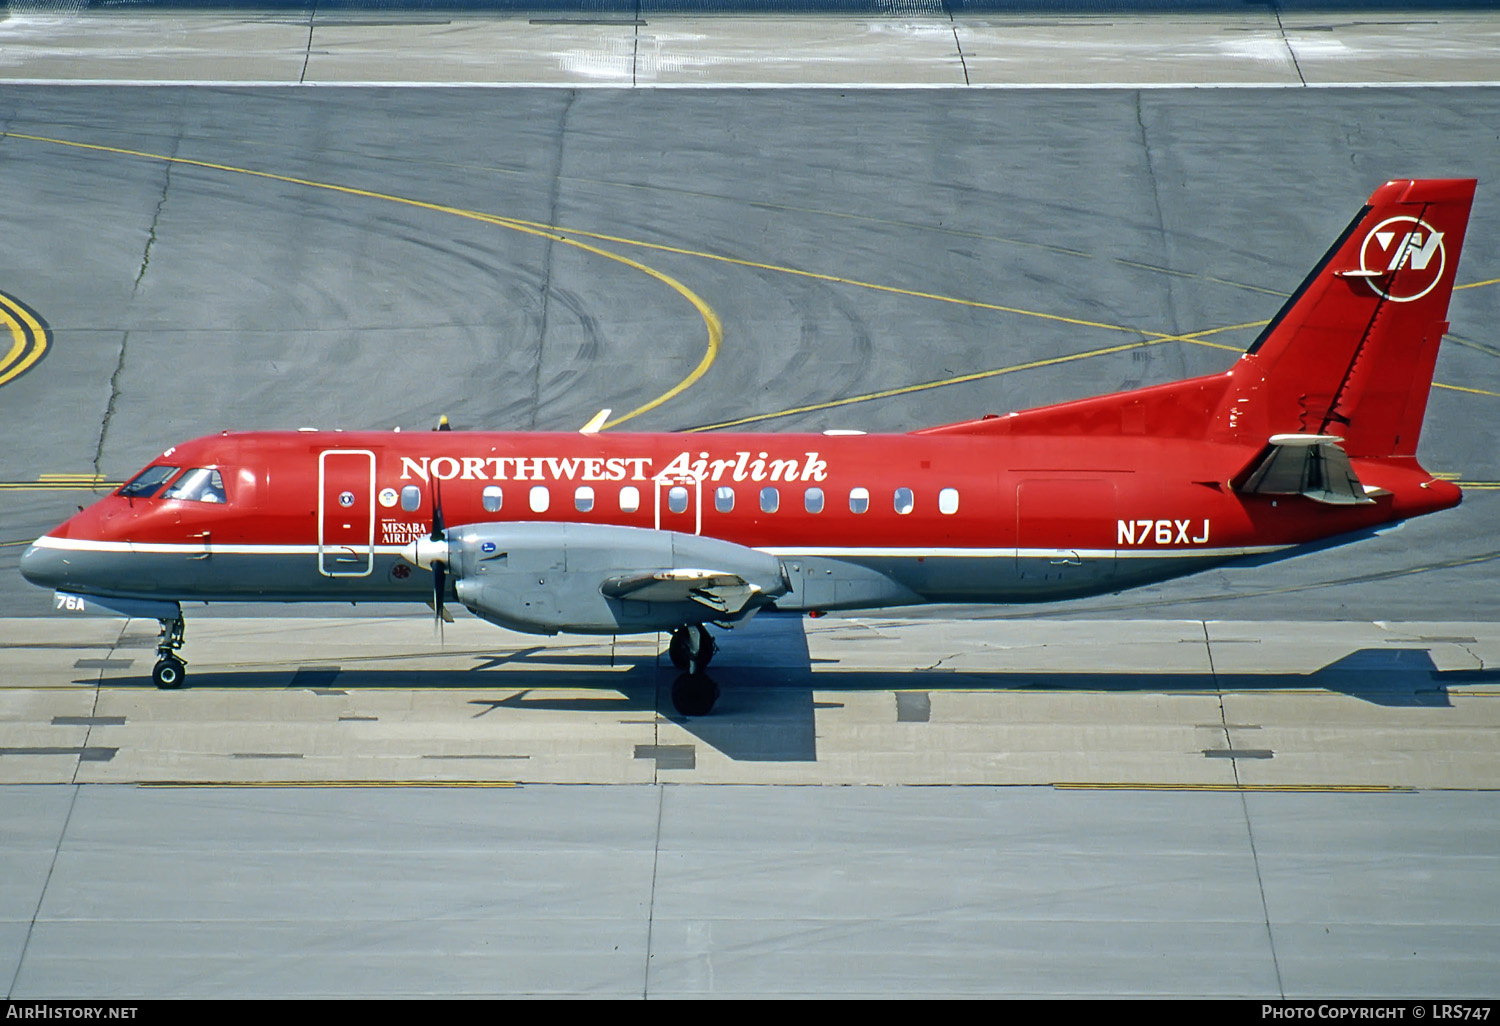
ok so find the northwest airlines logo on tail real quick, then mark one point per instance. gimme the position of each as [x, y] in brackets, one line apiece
[1402, 244]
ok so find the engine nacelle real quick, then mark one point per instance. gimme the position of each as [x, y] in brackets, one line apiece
[546, 578]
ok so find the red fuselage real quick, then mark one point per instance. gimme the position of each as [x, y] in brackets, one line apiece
[1093, 513]
[1311, 435]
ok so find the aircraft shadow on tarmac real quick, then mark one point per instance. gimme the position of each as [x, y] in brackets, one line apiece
[763, 716]
[765, 712]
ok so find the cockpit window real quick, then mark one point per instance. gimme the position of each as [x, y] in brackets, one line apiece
[201, 484]
[148, 482]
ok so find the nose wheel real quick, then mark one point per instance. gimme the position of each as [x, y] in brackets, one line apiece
[169, 673]
[170, 670]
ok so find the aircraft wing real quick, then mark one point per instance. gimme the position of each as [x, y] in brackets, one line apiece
[721, 591]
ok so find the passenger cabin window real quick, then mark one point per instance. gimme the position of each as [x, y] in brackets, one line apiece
[201, 484]
[148, 482]
[411, 499]
[770, 500]
[630, 499]
[812, 500]
[859, 500]
[677, 499]
[492, 498]
[948, 501]
[905, 501]
[540, 498]
[724, 499]
[583, 499]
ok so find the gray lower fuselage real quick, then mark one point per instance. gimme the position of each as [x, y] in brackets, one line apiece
[848, 580]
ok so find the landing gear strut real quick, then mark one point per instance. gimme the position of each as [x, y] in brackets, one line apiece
[691, 649]
[170, 669]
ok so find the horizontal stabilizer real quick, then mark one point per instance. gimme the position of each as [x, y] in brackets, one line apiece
[722, 592]
[1310, 465]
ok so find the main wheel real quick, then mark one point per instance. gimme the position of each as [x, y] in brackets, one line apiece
[677, 649]
[169, 673]
[694, 694]
[691, 648]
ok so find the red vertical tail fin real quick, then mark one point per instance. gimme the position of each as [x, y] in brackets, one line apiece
[1351, 353]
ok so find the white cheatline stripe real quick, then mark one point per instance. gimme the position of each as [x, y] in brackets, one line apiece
[1012, 553]
[197, 548]
[907, 552]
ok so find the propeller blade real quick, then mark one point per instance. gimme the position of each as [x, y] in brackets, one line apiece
[438, 529]
[439, 586]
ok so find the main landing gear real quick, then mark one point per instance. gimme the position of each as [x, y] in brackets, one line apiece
[170, 669]
[691, 649]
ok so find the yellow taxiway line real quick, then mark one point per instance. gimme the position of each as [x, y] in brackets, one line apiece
[923, 386]
[1461, 388]
[61, 483]
[712, 323]
[710, 319]
[1256, 788]
[328, 783]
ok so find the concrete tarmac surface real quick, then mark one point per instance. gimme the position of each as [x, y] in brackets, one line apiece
[842, 700]
[917, 44]
[355, 807]
[657, 890]
[1265, 781]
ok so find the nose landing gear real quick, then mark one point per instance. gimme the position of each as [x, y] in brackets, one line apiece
[170, 670]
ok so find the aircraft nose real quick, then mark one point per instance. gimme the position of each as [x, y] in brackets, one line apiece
[43, 566]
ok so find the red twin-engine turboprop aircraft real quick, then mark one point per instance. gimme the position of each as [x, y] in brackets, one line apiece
[1311, 434]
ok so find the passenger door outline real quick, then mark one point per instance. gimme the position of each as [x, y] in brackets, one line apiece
[346, 531]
